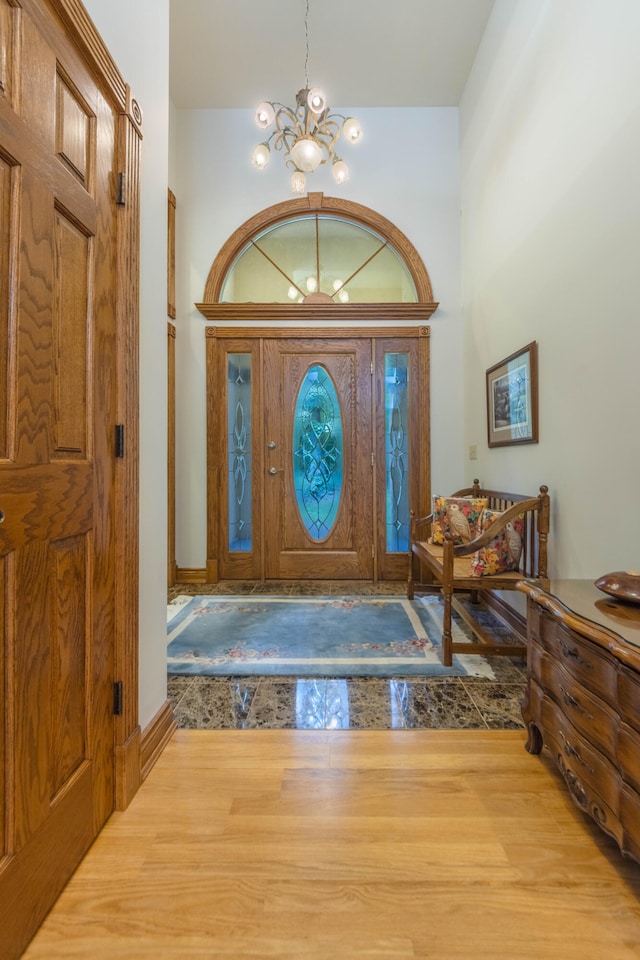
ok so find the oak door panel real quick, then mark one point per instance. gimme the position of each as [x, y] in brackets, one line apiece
[58, 384]
[346, 551]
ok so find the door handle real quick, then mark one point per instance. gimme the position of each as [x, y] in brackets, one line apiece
[274, 470]
[271, 445]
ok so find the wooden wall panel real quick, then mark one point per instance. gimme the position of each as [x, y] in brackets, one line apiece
[74, 131]
[68, 660]
[4, 706]
[5, 288]
[8, 36]
[70, 337]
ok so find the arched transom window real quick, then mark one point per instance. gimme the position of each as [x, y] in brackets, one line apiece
[320, 258]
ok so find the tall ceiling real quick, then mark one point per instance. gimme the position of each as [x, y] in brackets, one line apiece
[364, 53]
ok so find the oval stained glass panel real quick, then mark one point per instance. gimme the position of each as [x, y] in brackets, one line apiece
[317, 452]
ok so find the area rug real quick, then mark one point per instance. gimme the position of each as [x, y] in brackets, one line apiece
[313, 637]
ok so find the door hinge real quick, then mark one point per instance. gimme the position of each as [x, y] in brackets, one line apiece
[373, 550]
[120, 193]
[119, 439]
[117, 698]
[372, 368]
[373, 459]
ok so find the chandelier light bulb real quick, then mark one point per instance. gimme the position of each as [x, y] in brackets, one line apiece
[343, 296]
[340, 171]
[298, 182]
[261, 156]
[265, 115]
[352, 130]
[312, 284]
[316, 100]
[306, 154]
[293, 293]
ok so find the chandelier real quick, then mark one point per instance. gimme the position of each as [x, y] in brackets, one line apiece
[307, 133]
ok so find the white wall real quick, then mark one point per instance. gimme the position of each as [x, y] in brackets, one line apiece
[137, 34]
[550, 187]
[406, 168]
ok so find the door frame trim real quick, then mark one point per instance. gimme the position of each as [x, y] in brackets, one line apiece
[84, 36]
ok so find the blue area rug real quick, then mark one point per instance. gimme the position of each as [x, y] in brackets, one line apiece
[313, 637]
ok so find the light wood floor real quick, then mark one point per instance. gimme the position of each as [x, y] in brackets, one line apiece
[304, 844]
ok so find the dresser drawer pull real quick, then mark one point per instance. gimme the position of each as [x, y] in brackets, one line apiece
[572, 702]
[573, 655]
[572, 752]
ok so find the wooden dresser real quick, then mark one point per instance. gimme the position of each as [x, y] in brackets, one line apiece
[583, 699]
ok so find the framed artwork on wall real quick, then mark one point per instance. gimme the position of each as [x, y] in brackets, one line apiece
[512, 398]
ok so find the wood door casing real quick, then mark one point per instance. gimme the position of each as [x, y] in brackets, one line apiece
[60, 280]
[347, 550]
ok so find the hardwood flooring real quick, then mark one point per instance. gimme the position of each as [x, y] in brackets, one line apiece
[301, 845]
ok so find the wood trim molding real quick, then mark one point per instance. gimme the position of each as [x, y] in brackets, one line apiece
[126, 492]
[506, 612]
[128, 770]
[317, 203]
[192, 575]
[155, 737]
[324, 333]
[315, 312]
[84, 34]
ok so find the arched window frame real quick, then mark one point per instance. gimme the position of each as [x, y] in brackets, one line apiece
[213, 310]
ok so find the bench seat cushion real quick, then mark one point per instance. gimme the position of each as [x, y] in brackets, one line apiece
[431, 554]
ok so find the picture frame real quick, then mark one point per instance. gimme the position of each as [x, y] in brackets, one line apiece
[512, 398]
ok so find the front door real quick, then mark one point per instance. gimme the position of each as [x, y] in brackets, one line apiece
[57, 413]
[318, 464]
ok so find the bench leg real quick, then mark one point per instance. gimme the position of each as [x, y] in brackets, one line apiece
[447, 639]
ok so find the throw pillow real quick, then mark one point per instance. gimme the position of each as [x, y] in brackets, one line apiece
[459, 516]
[501, 554]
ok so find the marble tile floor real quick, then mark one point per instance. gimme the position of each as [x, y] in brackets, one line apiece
[231, 703]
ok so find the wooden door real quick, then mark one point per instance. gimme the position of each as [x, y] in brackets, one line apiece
[318, 465]
[57, 421]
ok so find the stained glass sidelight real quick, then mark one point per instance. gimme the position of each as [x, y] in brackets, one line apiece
[317, 452]
[239, 450]
[396, 405]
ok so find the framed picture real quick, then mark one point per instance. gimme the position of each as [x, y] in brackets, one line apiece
[512, 398]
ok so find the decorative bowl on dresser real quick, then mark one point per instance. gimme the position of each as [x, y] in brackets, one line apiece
[583, 699]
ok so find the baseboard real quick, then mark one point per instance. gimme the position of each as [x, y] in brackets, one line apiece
[155, 737]
[506, 612]
[128, 770]
[191, 575]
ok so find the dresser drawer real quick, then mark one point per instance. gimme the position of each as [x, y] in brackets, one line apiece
[628, 700]
[595, 783]
[586, 712]
[629, 754]
[580, 658]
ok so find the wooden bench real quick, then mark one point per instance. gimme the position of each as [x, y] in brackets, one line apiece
[449, 565]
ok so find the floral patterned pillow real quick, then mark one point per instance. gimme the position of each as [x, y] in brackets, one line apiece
[501, 554]
[457, 515]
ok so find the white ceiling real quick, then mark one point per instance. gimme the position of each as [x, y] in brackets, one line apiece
[364, 53]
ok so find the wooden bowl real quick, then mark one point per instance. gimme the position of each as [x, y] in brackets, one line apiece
[623, 585]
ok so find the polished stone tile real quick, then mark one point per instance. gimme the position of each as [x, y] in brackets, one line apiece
[443, 704]
[208, 703]
[352, 703]
[499, 703]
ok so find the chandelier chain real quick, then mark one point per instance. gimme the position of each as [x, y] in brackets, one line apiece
[306, 43]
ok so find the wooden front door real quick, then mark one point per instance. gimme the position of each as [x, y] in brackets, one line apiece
[317, 450]
[57, 418]
[318, 465]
